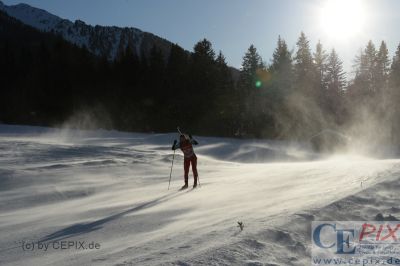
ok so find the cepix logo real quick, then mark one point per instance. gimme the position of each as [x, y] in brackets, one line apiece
[350, 239]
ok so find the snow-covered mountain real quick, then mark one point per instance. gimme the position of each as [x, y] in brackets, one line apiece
[100, 40]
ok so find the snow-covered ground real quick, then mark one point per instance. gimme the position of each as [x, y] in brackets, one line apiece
[110, 188]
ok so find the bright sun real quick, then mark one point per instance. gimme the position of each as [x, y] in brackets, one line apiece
[341, 19]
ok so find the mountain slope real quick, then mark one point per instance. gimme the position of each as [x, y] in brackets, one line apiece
[33, 65]
[100, 40]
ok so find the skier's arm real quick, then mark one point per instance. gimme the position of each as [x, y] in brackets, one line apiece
[175, 145]
[192, 140]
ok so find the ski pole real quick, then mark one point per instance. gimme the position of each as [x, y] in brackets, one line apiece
[170, 174]
[172, 165]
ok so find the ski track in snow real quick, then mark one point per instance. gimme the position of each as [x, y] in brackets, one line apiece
[111, 188]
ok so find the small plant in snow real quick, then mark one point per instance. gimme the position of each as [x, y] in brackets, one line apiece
[240, 225]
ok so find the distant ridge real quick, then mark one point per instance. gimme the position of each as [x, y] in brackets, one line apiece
[106, 41]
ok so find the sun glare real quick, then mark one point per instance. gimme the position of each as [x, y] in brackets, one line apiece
[342, 19]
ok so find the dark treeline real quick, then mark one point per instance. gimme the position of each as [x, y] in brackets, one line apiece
[46, 81]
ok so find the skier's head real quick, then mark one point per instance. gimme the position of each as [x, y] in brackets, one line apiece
[184, 137]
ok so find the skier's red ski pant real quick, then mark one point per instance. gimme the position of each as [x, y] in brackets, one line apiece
[186, 165]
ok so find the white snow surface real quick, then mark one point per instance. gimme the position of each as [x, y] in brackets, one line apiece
[110, 188]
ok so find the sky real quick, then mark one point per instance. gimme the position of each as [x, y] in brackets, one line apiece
[233, 25]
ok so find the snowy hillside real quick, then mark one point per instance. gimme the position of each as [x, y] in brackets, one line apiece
[111, 188]
[100, 40]
[35, 17]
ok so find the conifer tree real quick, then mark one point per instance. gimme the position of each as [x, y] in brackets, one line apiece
[176, 86]
[305, 71]
[303, 105]
[226, 99]
[248, 88]
[395, 70]
[320, 60]
[394, 94]
[252, 64]
[382, 68]
[281, 68]
[335, 81]
[202, 86]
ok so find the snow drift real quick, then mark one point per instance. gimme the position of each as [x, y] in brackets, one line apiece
[110, 188]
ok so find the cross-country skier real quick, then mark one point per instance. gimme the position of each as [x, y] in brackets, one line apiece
[186, 145]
